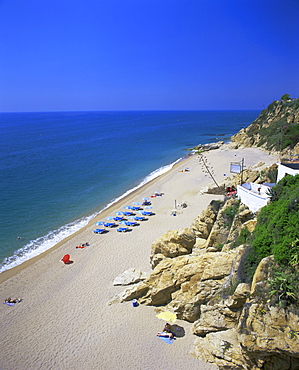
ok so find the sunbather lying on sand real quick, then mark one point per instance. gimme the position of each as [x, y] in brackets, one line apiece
[10, 300]
[166, 331]
[81, 246]
[165, 334]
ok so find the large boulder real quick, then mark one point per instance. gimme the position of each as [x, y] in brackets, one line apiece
[172, 244]
[130, 276]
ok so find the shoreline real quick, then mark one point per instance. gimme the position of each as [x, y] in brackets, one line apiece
[100, 215]
[64, 320]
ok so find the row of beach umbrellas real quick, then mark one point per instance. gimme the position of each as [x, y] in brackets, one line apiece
[127, 218]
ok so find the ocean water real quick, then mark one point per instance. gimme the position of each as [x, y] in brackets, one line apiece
[58, 170]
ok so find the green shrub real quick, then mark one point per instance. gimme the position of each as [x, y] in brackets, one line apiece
[251, 262]
[277, 226]
[285, 287]
[230, 212]
[245, 237]
[277, 233]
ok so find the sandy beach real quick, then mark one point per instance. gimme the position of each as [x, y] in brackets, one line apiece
[64, 321]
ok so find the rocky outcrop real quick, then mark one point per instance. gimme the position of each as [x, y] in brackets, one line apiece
[274, 124]
[266, 338]
[221, 228]
[184, 283]
[249, 333]
[206, 147]
[235, 325]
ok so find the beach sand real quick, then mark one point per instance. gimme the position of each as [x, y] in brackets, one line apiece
[64, 321]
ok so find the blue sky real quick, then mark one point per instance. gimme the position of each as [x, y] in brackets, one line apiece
[71, 55]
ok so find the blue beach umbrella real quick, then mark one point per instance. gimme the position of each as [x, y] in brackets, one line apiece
[127, 213]
[139, 218]
[127, 207]
[135, 208]
[109, 224]
[148, 207]
[119, 213]
[131, 223]
[118, 218]
[137, 203]
[99, 223]
[109, 218]
[122, 229]
[144, 198]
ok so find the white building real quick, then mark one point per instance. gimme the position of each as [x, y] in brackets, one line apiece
[254, 196]
[287, 168]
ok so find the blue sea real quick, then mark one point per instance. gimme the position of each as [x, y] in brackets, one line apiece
[59, 169]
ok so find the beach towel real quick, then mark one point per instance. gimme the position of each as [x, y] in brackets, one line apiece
[9, 304]
[166, 339]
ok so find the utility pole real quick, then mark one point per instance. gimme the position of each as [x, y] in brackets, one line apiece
[242, 168]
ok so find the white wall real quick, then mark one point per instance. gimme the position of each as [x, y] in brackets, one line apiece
[249, 195]
[284, 170]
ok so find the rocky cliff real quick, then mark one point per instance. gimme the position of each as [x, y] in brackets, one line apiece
[198, 273]
[275, 129]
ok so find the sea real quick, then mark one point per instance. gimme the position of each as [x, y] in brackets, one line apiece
[60, 169]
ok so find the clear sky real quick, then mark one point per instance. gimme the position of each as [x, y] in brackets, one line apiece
[80, 55]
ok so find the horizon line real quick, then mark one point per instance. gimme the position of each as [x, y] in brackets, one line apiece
[130, 110]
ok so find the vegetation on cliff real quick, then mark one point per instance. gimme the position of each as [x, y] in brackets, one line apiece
[277, 233]
[276, 128]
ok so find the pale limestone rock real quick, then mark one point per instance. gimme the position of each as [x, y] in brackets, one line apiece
[186, 281]
[199, 246]
[156, 259]
[130, 276]
[240, 295]
[222, 226]
[270, 334]
[223, 349]
[250, 225]
[214, 318]
[210, 146]
[173, 243]
[262, 275]
[203, 224]
[240, 219]
[233, 145]
[133, 292]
